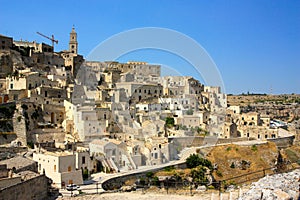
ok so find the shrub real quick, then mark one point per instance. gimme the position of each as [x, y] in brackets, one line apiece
[30, 145]
[211, 187]
[195, 160]
[228, 148]
[155, 181]
[170, 121]
[198, 175]
[232, 165]
[219, 174]
[169, 168]
[142, 181]
[254, 148]
[149, 174]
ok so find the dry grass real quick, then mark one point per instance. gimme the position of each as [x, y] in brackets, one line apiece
[292, 154]
[261, 157]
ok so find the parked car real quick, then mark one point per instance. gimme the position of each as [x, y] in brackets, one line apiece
[72, 187]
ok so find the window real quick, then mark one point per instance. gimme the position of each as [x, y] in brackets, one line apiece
[83, 160]
[69, 168]
[54, 168]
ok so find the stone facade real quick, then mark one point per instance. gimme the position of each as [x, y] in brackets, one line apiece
[6, 43]
[60, 167]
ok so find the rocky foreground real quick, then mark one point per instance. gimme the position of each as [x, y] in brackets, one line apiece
[278, 186]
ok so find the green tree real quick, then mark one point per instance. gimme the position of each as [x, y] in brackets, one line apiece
[170, 122]
[195, 160]
[198, 175]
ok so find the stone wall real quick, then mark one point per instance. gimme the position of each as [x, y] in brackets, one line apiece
[118, 182]
[7, 182]
[283, 142]
[182, 142]
[13, 149]
[35, 188]
[7, 138]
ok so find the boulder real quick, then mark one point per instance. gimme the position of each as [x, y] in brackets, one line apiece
[201, 188]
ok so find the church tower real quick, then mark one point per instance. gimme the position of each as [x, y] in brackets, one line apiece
[73, 45]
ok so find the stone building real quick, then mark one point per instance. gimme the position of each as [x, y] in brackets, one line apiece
[34, 47]
[28, 80]
[140, 91]
[180, 85]
[86, 123]
[19, 163]
[73, 44]
[6, 42]
[60, 167]
[72, 59]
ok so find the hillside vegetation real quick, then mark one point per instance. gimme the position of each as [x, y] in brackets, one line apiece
[233, 160]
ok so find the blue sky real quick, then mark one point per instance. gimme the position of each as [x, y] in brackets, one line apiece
[255, 44]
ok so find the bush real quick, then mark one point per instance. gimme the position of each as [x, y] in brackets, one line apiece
[232, 165]
[170, 121]
[198, 175]
[219, 174]
[211, 187]
[155, 181]
[254, 148]
[30, 145]
[149, 174]
[228, 148]
[195, 160]
[169, 168]
[142, 181]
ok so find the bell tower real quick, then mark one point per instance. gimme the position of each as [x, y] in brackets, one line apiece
[73, 45]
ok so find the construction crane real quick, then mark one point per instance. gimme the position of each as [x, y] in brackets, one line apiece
[50, 38]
